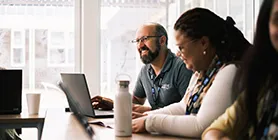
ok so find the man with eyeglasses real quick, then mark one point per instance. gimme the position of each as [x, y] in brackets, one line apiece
[164, 78]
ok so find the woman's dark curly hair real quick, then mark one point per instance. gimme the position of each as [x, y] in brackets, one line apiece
[229, 42]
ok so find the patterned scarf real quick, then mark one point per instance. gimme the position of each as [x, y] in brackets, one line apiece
[267, 127]
[195, 95]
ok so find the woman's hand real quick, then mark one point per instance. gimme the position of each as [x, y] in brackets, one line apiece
[138, 125]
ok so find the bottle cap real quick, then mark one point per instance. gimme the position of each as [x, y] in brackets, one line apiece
[122, 77]
[123, 83]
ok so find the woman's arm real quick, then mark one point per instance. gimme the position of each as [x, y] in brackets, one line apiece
[217, 99]
[233, 123]
[173, 109]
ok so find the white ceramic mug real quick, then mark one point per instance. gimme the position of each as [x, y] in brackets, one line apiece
[33, 102]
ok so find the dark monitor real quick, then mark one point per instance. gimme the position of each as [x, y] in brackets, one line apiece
[10, 91]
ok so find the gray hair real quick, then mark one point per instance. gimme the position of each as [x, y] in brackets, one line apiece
[160, 31]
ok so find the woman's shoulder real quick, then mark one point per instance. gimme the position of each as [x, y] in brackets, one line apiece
[228, 70]
[226, 75]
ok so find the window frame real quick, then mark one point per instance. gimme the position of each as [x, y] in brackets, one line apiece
[89, 27]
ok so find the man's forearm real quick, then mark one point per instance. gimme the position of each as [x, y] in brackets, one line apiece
[136, 100]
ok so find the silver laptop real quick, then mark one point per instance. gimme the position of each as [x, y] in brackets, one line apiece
[76, 89]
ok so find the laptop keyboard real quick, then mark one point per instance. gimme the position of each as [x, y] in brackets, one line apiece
[104, 112]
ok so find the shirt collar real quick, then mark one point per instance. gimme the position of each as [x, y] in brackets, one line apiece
[167, 64]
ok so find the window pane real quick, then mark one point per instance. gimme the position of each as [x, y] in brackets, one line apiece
[236, 11]
[18, 38]
[18, 56]
[57, 38]
[3, 34]
[240, 10]
[249, 20]
[37, 26]
[2, 9]
[71, 40]
[187, 6]
[57, 56]
[196, 3]
[71, 56]
[5, 47]
[209, 4]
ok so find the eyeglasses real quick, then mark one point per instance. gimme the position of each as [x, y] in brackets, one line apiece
[186, 44]
[143, 39]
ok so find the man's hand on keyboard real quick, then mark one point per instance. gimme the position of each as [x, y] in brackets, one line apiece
[100, 102]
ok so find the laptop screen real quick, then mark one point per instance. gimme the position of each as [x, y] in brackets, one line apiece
[77, 89]
[75, 109]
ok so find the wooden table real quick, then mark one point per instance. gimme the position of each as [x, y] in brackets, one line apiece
[23, 120]
[64, 126]
[103, 133]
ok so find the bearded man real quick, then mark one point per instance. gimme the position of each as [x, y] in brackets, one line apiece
[163, 79]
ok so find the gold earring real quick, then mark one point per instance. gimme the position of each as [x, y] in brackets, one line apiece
[204, 52]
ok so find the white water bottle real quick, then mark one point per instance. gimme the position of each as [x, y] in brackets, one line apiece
[123, 110]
